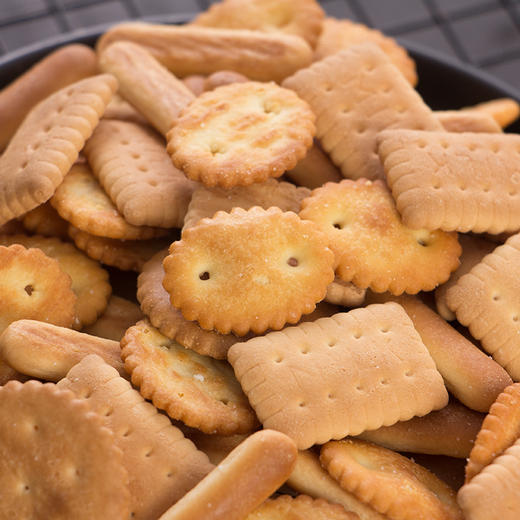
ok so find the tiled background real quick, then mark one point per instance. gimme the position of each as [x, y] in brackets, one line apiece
[485, 33]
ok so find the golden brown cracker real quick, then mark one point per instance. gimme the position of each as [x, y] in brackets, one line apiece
[48, 142]
[450, 181]
[342, 34]
[500, 430]
[132, 165]
[300, 18]
[119, 315]
[356, 94]
[44, 220]
[33, 286]
[392, 484]
[248, 270]
[189, 49]
[8, 373]
[162, 465]
[467, 121]
[486, 301]
[503, 110]
[362, 223]
[46, 351]
[81, 201]
[240, 134]
[374, 371]
[198, 390]
[345, 293]
[89, 280]
[57, 460]
[148, 85]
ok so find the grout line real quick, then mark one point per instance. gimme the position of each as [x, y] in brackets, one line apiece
[59, 15]
[360, 12]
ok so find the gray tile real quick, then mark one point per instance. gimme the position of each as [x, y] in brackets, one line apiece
[450, 7]
[12, 9]
[25, 33]
[96, 14]
[432, 37]
[389, 14]
[157, 7]
[338, 9]
[507, 71]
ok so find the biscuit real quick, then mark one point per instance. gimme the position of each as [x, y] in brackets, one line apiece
[12, 227]
[132, 165]
[162, 465]
[8, 373]
[450, 431]
[248, 270]
[46, 351]
[186, 50]
[197, 390]
[81, 201]
[454, 182]
[392, 484]
[151, 88]
[474, 249]
[302, 18]
[119, 315]
[44, 220]
[504, 110]
[89, 280]
[48, 142]
[121, 110]
[241, 482]
[345, 293]
[361, 222]
[356, 94]
[60, 68]
[196, 83]
[500, 430]
[471, 376]
[57, 460]
[374, 371]
[486, 301]
[339, 35]
[216, 447]
[241, 133]
[222, 78]
[205, 201]
[493, 494]
[33, 286]
[467, 121]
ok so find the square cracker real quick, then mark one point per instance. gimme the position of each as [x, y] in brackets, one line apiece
[339, 376]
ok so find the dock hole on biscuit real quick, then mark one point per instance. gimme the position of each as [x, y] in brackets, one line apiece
[515, 317]
[216, 148]
[496, 297]
[293, 262]
[409, 373]
[332, 343]
[29, 289]
[204, 276]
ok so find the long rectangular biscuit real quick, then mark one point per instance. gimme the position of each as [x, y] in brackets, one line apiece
[355, 94]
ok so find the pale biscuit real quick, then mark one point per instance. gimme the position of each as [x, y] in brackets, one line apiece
[504, 110]
[121, 110]
[300, 18]
[450, 181]
[196, 83]
[46, 351]
[392, 484]
[127, 255]
[48, 142]
[119, 315]
[197, 390]
[486, 301]
[471, 376]
[362, 224]
[162, 465]
[474, 249]
[248, 270]
[450, 431]
[44, 220]
[345, 293]
[500, 430]
[216, 447]
[205, 201]
[57, 460]
[34, 286]
[338, 35]
[241, 133]
[374, 371]
[241, 482]
[132, 165]
[186, 50]
[151, 88]
[222, 78]
[356, 94]
[60, 68]
[467, 121]
[89, 280]
[81, 201]
[494, 493]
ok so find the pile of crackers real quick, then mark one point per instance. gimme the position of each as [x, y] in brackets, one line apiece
[304, 228]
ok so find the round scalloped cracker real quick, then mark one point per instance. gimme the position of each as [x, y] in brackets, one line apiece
[373, 248]
[44, 220]
[197, 390]
[248, 270]
[81, 200]
[33, 286]
[241, 133]
[57, 460]
[500, 429]
[89, 280]
[390, 483]
[302, 17]
[302, 507]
